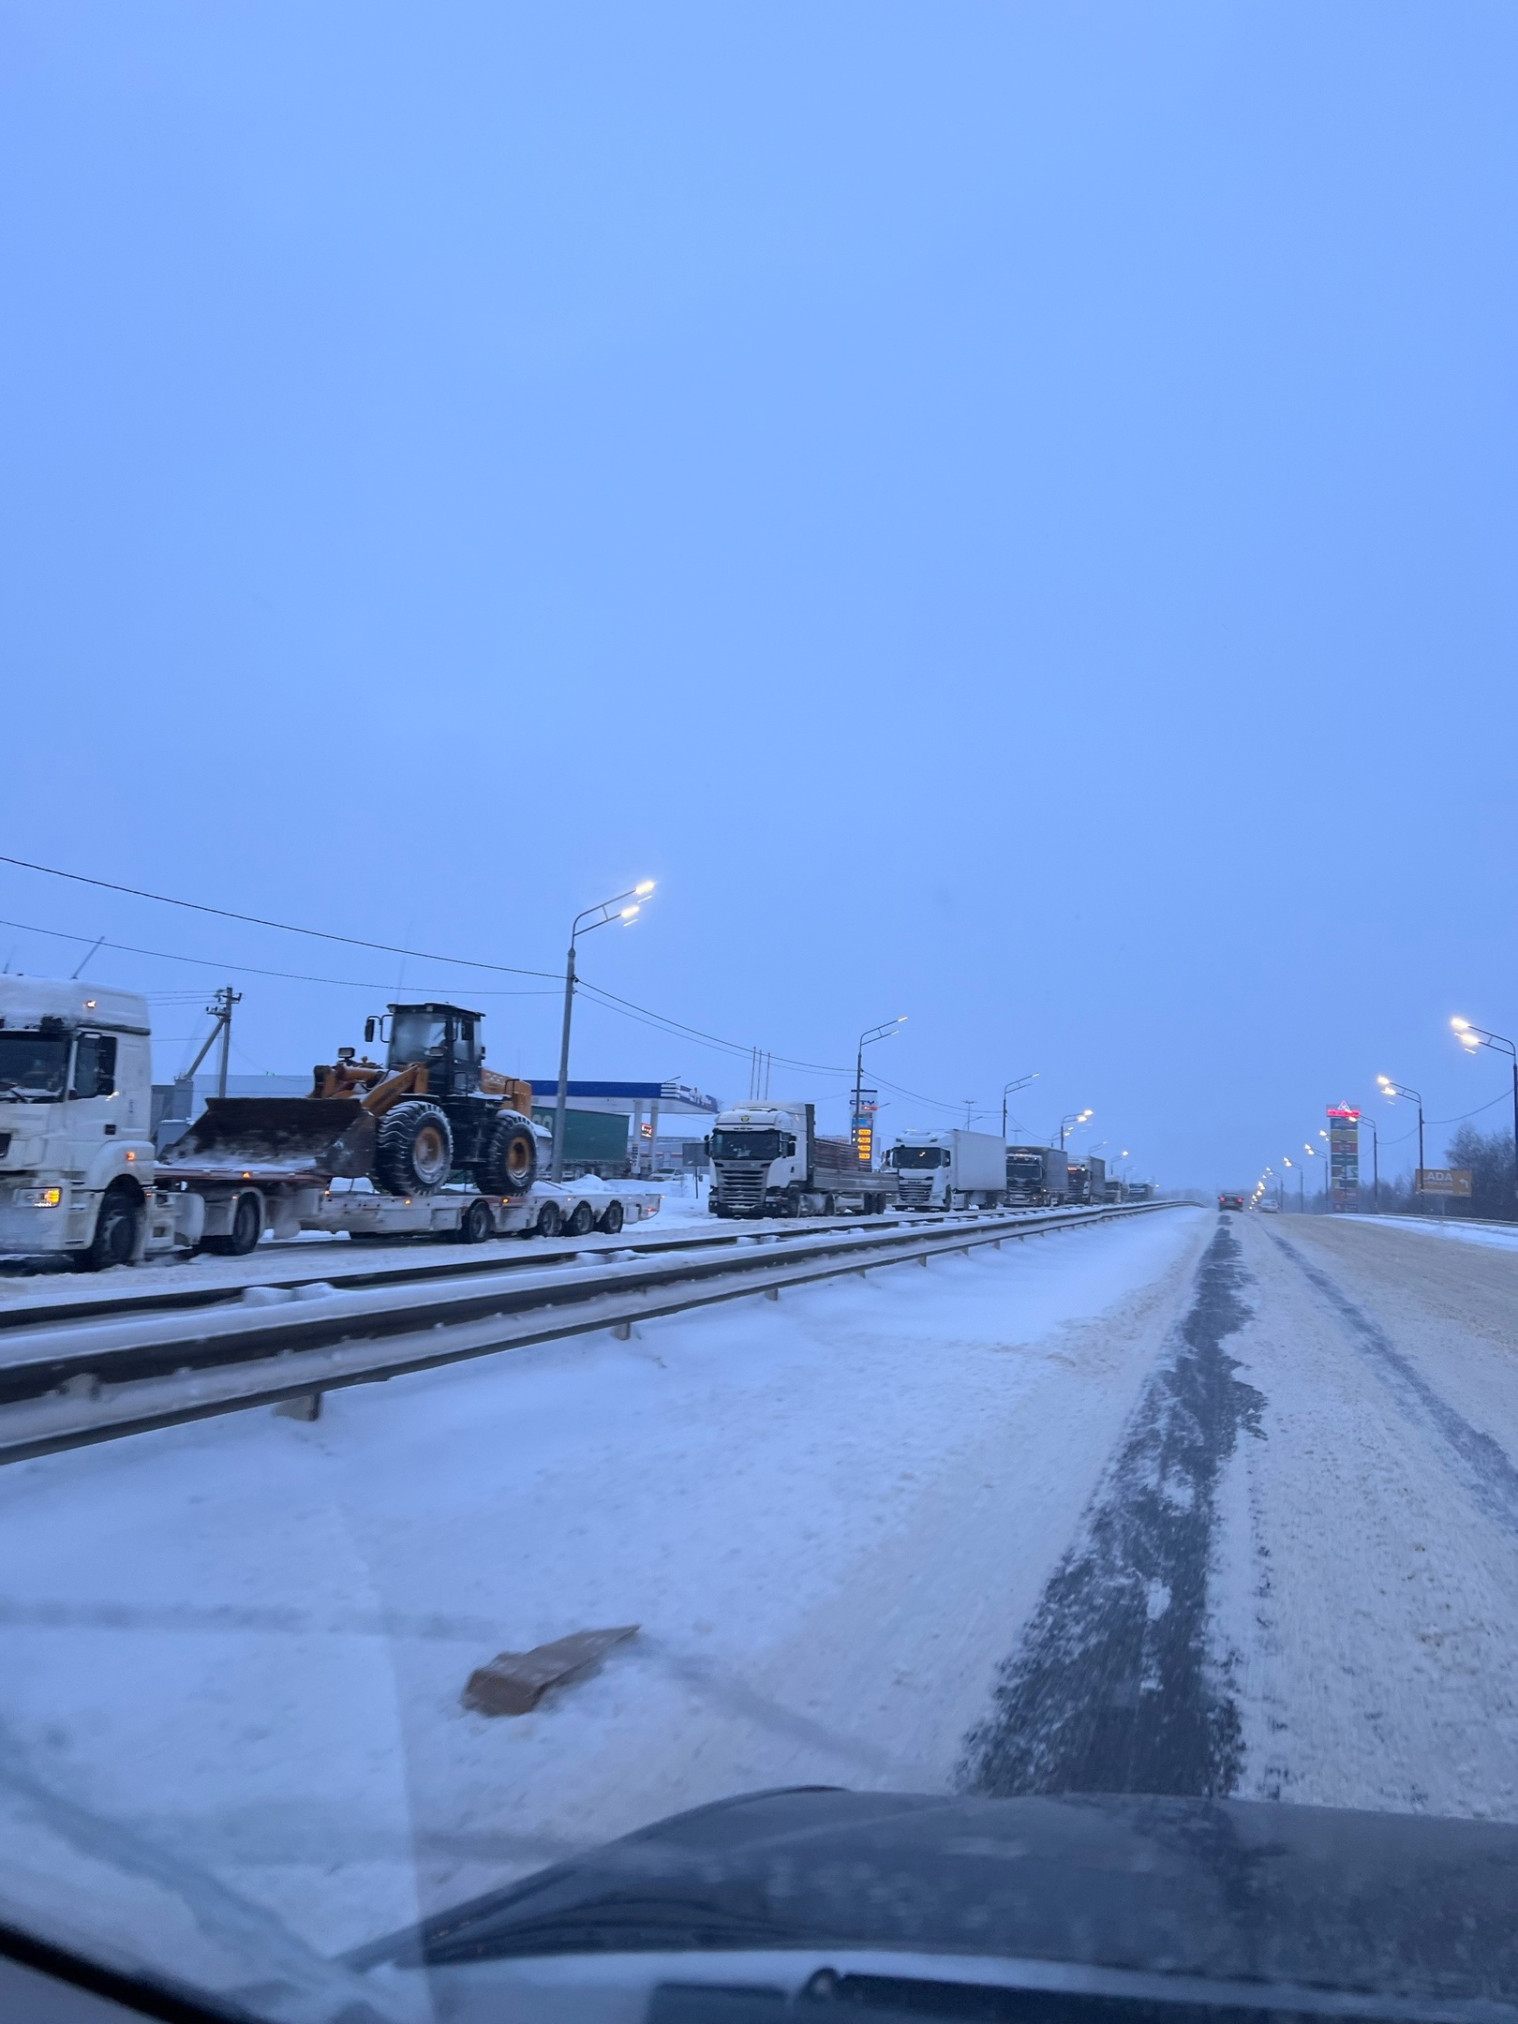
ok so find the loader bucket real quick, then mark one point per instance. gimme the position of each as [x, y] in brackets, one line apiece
[277, 1137]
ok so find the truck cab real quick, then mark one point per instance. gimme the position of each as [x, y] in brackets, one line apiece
[760, 1162]
[76, 1149]
[923, 1162]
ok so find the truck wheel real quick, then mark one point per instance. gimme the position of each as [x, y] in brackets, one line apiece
[115, 1238]
[549, 1219]
[510, 1165]
[476, 1224]
[414, 1155]
[611, 1219]
[829, 1206]
[247, 1228]
[792, 1201]
[581, 1221]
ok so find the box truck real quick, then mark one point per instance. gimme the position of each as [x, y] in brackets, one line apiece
[949, 1169]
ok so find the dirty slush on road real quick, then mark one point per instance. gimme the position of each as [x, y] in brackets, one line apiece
[1114, 1688]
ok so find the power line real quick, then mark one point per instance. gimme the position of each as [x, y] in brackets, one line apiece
[712, 1039]
[248, 969]
[257, 921]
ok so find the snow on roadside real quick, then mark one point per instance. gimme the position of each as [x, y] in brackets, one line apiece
[245, 1640]
[1459, 1233]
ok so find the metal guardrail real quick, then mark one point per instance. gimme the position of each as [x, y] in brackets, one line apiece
[69, 1386]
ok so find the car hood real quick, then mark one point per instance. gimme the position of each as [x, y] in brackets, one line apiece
[1404, 1907]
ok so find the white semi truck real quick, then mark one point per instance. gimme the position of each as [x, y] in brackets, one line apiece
[949, 1169]
[767, 1160]
[80, 1176]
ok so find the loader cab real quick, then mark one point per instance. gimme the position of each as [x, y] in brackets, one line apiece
[445, 1037]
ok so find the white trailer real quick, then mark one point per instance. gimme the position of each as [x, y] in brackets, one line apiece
[949, 1169]
[80, 1176]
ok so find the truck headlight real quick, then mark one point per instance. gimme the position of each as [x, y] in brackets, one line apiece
[37, 1198]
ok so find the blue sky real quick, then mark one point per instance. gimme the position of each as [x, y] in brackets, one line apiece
[1007, 511]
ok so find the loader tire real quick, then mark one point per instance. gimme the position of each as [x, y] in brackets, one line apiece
[510, 1165]
[414, 1155]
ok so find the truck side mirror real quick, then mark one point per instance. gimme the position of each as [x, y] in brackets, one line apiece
[706, 1144]
[368, 1032]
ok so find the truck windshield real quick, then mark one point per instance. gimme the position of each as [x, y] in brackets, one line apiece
[918, 1156]
[33, 1067]
[1024, 1163]
[745, 1145]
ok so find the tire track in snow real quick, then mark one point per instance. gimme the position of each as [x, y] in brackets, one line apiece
[1482, 1464]
[1114, 1689]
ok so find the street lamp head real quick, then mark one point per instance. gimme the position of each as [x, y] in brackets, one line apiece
[631, 913]
[1460, 1025]
[643, 888]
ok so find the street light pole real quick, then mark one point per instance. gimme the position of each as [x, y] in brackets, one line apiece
[1392, 1090]
[882, 1032]
[627, 915]
[1068, 1123]
[1472, 1037]
[1009, 1089]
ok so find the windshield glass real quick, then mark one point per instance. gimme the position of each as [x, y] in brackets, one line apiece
[861, 570]
[732, 1143]
[415, 1035]
[32, 1069]
[905, 1157]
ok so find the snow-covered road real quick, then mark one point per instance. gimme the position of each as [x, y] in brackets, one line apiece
[1182, 1504]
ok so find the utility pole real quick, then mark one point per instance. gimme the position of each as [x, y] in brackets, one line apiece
[226, 998]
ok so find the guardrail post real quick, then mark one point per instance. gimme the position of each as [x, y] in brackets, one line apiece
[305, 1406]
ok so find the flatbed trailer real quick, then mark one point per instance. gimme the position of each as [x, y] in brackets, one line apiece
[460, 1216]
[265, 1198]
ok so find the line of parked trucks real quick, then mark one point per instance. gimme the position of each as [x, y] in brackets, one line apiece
[427, 1141]
[768, 1159]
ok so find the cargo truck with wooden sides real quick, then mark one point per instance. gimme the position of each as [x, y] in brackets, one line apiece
[768, 1159]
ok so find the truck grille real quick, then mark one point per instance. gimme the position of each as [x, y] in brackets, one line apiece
[741, 1182]
[915, 1193]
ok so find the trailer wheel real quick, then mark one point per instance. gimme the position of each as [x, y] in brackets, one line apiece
[475, 1225]
[611, 1219]
[582, 1220]
[829, 1206]
[414, 1155]
[550, 1218]
[115, 1237]
[510, 1165]
[247, 1228]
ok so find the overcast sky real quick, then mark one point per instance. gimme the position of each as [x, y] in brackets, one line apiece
[1006, 511]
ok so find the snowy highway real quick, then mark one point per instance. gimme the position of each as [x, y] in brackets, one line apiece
[1189, 1504]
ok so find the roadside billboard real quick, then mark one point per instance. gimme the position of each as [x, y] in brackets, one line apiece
[1445, 1181]
[1343, 1156]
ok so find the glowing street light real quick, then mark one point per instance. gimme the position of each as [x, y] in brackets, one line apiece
[1473, 1039]
[600, 916]
[1391, 1091]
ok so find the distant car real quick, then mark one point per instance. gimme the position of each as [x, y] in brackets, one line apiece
[1270, 1208]
[1230, 1201]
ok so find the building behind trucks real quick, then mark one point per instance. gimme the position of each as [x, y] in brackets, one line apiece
[768, 1160]
[80, 1175]
[1038, 1177]
[949, 1169]
[1088, 1179]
